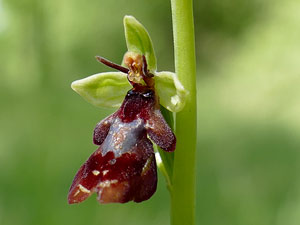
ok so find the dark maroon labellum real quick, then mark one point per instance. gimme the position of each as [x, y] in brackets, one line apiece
[123, 168]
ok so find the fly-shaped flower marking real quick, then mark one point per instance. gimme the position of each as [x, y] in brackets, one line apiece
[123, 168]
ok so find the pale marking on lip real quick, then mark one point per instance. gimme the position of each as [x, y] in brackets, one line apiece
[77, 192]
[95, 172]
[83, 189]
[104, 184]
[107, 183]
[122, 136]
[104, 172]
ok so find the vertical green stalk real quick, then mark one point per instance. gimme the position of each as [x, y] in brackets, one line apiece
[183, 191]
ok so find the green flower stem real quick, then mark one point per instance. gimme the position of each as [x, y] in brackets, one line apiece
[183, 188]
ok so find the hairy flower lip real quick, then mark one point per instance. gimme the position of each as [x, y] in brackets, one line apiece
[123, 168]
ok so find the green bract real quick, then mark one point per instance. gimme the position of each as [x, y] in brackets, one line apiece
[108, 89]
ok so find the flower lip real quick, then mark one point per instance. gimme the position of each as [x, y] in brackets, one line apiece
[123, 168]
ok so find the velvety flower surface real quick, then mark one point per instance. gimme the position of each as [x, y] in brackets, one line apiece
[123, 168]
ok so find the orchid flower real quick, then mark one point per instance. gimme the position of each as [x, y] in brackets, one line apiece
[123, 168]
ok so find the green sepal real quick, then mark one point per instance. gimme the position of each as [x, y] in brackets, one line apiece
[103, 89]
[139, 41]
[171, 93]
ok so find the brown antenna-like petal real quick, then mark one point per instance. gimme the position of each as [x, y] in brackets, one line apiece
[112, 65]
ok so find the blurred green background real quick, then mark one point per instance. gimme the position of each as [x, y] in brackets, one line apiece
[248, 71]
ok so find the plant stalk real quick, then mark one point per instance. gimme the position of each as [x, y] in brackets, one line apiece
[183, 188]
